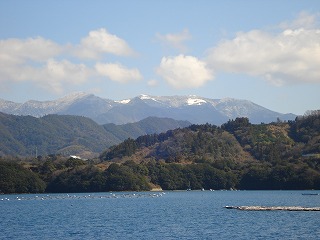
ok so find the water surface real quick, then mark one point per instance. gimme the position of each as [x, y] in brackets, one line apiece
[173, 215]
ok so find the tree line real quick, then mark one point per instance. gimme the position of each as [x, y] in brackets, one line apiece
[237, 155]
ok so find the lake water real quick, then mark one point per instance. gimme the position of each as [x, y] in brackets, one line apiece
[173, 215]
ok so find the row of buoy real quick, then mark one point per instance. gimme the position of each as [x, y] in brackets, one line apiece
[89, 196]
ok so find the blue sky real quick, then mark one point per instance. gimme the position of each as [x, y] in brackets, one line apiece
[267, 52]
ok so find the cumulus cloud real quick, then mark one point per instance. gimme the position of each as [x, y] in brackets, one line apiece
[51, 66]
[17, 51]
[118, 73]
[101, 42]
[52, 75]
[31, 60]
[175, 40]
[184, 71]
[289, 56]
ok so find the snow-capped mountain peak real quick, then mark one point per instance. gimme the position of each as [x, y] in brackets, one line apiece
[195, 101]
[120, 112]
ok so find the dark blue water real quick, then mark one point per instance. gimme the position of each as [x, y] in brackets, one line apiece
[174, 215]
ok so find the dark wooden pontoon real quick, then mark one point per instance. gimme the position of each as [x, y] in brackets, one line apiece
[277, 208]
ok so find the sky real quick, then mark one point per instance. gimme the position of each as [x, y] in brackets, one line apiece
[267, 52]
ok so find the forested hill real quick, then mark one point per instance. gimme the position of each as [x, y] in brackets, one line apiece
[237, 155]
[281, 155]
[196, 143]
[235, 140]
[70, 135]
[51, 134]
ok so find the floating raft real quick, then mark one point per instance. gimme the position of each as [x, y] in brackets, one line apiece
[282, 208]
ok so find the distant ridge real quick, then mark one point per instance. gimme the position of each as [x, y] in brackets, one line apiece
[192, 108]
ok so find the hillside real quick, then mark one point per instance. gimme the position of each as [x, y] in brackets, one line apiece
[236, 140]
[192, 144]
[239, 154]
[51, 134]
[279, 155]
[70, 135]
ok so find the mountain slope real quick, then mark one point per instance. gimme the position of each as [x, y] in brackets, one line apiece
[281, 143]
[148, 125]
[195, 143]
[195, 109]
[26, 135]
[70, 135]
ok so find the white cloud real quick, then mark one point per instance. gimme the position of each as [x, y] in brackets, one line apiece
[291, 56]
[117, 72]
[52, 75]
[33, 60]
[38, 61]
[16, 51]
[304, 20]
[184, 71]
[100, 42]
[175, 40]
[26, 61]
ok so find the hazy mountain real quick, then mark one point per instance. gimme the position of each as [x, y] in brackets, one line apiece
[190, 108]
[70, 135]
[80, 104]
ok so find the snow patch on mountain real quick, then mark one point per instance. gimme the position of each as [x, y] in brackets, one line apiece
[125, 101]
[177, 107]
[7, 106]
[145, 97]
[195, 101]
[237, 107]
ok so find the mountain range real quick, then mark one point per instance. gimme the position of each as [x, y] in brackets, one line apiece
[195, 109]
